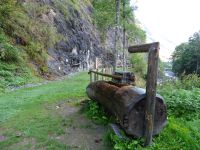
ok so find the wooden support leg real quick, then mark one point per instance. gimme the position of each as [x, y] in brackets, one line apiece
[151, 93]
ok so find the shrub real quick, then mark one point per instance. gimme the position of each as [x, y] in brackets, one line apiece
[190, 81]
[139, 64]
[125, 143]
[182, 97]
[96, 112]
[8, 52]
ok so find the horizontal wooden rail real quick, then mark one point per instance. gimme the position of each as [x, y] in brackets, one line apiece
[144, 48]
[106, 75]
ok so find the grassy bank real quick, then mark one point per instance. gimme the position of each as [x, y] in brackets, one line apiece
[26, 114]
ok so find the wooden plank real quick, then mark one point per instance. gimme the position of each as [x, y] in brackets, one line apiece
[142, 48]
[106, 75]
[151, 93]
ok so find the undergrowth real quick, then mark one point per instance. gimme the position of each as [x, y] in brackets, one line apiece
[96, 112]
[13, 71]
[182, 98]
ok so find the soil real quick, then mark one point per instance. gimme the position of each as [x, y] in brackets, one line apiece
[80, 132]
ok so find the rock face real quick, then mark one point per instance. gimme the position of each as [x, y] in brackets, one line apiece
[80, 44]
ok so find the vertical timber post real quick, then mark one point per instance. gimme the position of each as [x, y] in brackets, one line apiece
[151, 92]
[153, 50]
[90, 77]
[97, 75]
[117, 21]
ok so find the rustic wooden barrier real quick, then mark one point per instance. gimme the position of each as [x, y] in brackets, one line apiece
[125, 78]
[105, 93]
[153, 50]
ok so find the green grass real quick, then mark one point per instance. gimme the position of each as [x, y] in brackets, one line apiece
[13, 102]
[26, 111]
[31, 112]
[178, 135]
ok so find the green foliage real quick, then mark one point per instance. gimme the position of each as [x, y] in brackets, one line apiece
[25, 22]
[190, 81]
[179, 134]
[8, 52]
[96, 112]
[69, 7]
[182, 97]
[125, 143]
[6, 10]
[139, 64]
[160, 68]
[182, 103]
[35, 10]
[135, 34]
[12, 70]
[13, 75]
[105, 14]
[186, 57]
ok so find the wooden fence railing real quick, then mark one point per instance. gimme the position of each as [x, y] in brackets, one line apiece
[101, 74]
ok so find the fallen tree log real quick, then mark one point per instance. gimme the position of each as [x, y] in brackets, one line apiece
[127, 103]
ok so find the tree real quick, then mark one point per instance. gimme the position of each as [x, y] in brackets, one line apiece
[104, 17]
[117, 23]
[186, 57]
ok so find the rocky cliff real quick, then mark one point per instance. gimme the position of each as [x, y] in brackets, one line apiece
[80, 42]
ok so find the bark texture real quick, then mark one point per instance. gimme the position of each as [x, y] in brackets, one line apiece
[127, 103]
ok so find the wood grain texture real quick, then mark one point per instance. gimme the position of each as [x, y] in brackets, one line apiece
[127, 103]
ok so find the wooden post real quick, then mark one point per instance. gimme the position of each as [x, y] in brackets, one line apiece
[102, 72]
[153, 49]
[151, 92]
[97, 75]
[90, 76]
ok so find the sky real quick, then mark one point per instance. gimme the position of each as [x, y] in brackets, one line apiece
[170, 22]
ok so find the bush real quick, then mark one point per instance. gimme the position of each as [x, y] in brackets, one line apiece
[139, 64]
[13, 75]
[125, 143]
[190, 81]
[182, 97]
[8, 52]
[182, 103]
[96, 112]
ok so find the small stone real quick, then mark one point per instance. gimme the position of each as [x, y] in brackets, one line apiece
[98, 140]
[18, 134]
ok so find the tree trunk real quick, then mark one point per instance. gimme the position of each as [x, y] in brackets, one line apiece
[124, 34]
[127, 103]
[117, 21]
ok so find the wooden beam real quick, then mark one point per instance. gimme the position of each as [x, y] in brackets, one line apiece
[151, 92]
[144, 48]
[106, 75]
[153, 50]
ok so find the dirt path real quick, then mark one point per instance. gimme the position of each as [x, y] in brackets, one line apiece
[80, 132]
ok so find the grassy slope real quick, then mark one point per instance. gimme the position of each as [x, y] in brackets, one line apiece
[24, 111]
